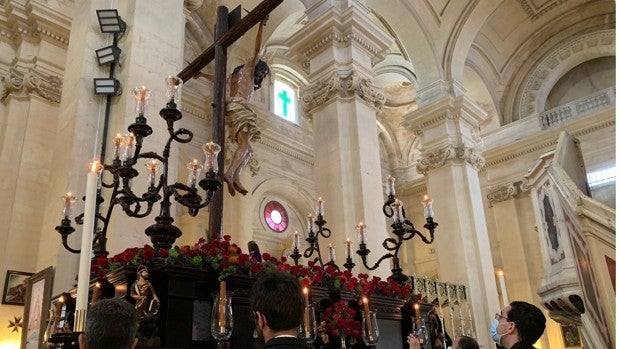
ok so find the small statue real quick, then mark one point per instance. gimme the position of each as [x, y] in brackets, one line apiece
[147, 306]
[144, 294]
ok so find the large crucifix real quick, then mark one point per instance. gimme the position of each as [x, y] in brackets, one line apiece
[227, 30]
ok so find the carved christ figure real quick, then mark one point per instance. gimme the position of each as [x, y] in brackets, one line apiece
[240, 118]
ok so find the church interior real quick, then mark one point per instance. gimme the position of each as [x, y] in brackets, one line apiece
[502, 112]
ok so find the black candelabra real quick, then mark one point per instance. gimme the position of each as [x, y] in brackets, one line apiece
[402, 229]
[127, 151]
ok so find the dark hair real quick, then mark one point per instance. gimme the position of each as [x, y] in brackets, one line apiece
[110, 324]
[529, 320]
[260, 67]
[278, 297]
[466, 342]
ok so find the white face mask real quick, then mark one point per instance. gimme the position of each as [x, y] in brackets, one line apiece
[497, 337]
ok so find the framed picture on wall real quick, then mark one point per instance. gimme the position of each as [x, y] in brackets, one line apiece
[571, 336]
[15, 287]
[36, 309]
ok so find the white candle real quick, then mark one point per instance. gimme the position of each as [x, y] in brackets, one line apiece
[152, 167]
[389, 186]
[502, 285]
[348, 242]
[397, 213]
[428, 207]
[361, 228]
[332, 253]
[320, 207]
[296, 240]
[310, 223]
[87, 243]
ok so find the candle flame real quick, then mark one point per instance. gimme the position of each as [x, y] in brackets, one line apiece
[500, 272]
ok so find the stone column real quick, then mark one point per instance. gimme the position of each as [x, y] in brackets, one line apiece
[150, 56]
[338, 46]
[451, 164]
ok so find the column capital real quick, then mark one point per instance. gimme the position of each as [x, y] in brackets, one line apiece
[442, 110]
[502, 192]
[343, 86]
[29, 80]
[437, 158]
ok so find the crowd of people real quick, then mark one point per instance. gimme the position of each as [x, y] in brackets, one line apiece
[278, 304]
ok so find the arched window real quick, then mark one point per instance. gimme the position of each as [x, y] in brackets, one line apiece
[284, 101]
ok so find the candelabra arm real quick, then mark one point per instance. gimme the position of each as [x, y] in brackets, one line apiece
[387, 206]
[67, 247]
[376, 265]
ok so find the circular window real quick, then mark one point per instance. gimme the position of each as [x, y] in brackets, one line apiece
[276, 216]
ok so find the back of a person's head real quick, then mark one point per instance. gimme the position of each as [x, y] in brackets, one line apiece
[110, 324]
[466, 342]
[278, 297]
[529, 320]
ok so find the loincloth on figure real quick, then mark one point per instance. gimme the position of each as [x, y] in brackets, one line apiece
[241, 117]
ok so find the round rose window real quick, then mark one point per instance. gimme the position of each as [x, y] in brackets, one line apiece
[276, 216]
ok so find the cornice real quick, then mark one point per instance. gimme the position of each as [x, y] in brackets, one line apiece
[307, 160]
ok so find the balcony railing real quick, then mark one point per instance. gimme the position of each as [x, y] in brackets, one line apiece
[584, 106]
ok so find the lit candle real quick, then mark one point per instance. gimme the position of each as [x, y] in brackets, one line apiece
[306, 311]
[194, 172]
[128, 146]
[416, 308]
[367, 314]
[87, 244]
[389, 186]
[211, 151]
[428, 207]
[361, 229]
[96, 291]
[152, 168]
[222, 306]
[332, 254]
[59, 303]
[141, 95]
[296, 240]
[397, 214]
[320, 207]
[348, 243]
[173, 85]
[502, 285]
[310, 223]
[68, 199]
[117, 142]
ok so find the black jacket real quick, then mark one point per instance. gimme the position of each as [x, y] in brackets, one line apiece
[285, 343]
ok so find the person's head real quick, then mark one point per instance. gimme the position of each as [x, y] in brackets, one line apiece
[520, 322]
[260, 71]
[110, 324]
[465, 342]
[277, 303]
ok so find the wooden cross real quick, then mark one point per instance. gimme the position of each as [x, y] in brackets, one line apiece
[225, 35]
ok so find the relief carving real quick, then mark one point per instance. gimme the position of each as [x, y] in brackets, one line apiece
[502, 193]
[31, 82]
[438, 158]
[344, 87]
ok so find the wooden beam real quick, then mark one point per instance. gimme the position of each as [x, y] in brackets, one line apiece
[235, 32]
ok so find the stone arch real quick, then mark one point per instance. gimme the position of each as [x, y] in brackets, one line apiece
[532, 94]
[388, 141]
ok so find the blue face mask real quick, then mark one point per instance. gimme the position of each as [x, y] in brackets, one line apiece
[496, 337]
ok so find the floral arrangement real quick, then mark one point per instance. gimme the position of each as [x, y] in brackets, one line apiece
[226, 258]
[340, 320]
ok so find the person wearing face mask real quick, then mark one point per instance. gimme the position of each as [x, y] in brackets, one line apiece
[278, 305]
[518, 326]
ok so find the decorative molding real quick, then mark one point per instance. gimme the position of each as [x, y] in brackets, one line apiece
[47, 86]
[438, 158]
[502, 193]
[549, 144]
[340, 39]
[343, 87]
[285, 150]
[534, 11]
[254, 166]
[584, 106]
[533, 86]
[196, 113]
[54, 36]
